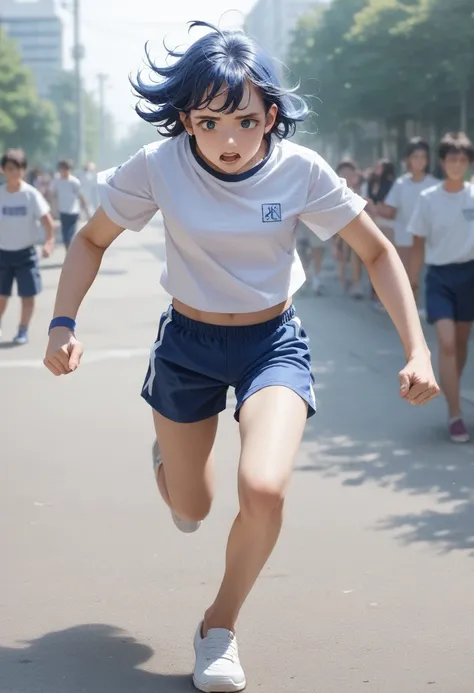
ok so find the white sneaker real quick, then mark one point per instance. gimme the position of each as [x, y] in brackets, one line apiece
[217, 668]
[186, 526]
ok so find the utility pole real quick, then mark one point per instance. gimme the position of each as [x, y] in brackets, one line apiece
[102, 78]
[78, 55]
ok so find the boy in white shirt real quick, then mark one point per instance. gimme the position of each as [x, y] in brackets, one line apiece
[21, 207]
[443, 231]
[69, 199]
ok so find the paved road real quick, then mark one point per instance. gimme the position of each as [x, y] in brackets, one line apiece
[370, 588]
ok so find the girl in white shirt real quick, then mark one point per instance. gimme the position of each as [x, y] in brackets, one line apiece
[404, 195]
[231, 189]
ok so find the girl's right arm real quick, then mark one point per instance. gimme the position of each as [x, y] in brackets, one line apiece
[81, 266]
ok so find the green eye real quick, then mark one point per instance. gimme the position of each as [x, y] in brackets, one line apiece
[208, 125]
[249, 124]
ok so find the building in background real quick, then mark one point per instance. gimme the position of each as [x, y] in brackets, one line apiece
[271, 23]
[36, 27]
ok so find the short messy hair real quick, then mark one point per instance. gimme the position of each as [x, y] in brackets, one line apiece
[219, 62]
[346, 163]
[17, 157]
[456, 143]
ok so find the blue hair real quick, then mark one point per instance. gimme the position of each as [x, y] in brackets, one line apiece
[221, 61]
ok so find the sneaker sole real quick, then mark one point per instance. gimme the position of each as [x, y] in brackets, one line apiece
[459, 440]
[219, 687]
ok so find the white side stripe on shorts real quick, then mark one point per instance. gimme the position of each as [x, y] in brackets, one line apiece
[297, 323]
[149, 383]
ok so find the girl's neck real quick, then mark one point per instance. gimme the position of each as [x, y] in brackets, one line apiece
[453, 186]
[14, 187]
[418, 177]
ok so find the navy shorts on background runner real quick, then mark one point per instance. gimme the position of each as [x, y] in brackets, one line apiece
[450, 292]
[20, 266]
[68, 227]
[192, 365]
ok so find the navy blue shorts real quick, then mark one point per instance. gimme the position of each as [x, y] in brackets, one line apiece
[193, 364]
[20, 266]
[450, 292]
[68, 227]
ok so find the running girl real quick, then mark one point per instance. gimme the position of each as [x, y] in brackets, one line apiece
[231, 188]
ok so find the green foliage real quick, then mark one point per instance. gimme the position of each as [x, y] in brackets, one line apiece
[25, 120]
[139, 134]
[63, 95]
[388, 61]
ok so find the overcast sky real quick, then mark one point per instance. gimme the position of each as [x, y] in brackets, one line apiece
[114, 33]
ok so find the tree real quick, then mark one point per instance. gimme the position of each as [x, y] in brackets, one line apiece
[63, 95]
[25, 120]
[402, 65]
[139, 134]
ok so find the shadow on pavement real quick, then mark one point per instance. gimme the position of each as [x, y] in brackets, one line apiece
[362, 438]
[95, 658]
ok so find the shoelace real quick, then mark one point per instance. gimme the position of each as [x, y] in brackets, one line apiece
[219, 647]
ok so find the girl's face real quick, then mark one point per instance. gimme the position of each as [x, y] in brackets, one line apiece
[418, 162]
[456, 166]
[231, 142]
[13, 173]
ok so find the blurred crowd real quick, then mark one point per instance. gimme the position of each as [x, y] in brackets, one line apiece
[391, 202]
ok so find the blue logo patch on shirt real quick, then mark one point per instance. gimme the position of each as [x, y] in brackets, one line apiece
[271, 212]
[14, 211]
[468, 214]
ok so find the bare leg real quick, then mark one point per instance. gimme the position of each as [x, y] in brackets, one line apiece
[356, 268]
[271, 426]
[27, 308]
[448, 366]
[186, 478]
[318, 254]
[463, 330]
[404, 254]
[3, 305]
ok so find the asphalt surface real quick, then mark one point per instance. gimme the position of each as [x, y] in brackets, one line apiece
[370, 587]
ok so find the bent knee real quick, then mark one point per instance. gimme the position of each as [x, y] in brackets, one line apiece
[261, 496]
[447, 348]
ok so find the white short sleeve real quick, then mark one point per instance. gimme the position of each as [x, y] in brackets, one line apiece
[393, 198]
[420, 222]
[41, 207]
[330, 204]
[125, 193]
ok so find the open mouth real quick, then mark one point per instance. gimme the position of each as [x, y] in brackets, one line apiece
[229, 158]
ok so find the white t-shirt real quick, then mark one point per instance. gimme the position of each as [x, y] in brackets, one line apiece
[404, 195]
[446, 221]
[20, 213]
[230, 239]
[88, 181]
[67, 191]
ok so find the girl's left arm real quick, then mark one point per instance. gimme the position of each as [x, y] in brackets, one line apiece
[417, 381]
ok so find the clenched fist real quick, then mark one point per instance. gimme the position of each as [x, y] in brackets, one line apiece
[417, 381]
[64, 352]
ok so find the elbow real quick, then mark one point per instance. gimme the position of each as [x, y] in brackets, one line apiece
[88, 243]
[382, 252]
